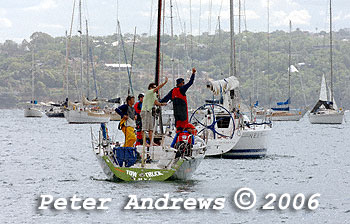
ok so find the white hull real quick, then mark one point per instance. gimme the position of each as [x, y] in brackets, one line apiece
[253, 143]
[326, 118]
[85, 117]
[295, 117]
[216, 147]
[32, 112]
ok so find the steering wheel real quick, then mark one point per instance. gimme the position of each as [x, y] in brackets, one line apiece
[210, 108]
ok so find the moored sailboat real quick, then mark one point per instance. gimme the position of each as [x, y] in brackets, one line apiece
[33, 109]
[227, 133]
[326, 111]
[283, 112]
[82, 113]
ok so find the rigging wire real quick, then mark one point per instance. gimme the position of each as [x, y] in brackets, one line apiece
[68, 47]
[209, 18]
[126, 62]
[199, 22]
[151, 20]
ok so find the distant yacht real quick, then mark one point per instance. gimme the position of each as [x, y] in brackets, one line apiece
[283, 111]
[33, 109]
[326, 111]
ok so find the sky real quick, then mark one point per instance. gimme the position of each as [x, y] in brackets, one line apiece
[20, 18]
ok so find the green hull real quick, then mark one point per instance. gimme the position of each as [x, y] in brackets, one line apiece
[142, 174]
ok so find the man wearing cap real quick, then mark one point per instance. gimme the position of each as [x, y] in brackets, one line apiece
[178, 96]
[138, 107]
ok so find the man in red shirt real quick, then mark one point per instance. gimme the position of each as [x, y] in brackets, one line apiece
[178, 96]
[138, 107]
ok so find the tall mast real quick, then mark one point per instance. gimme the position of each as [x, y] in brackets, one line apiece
[68, 42]
[268, 52]
[66, 69]
[81, 52]
[118, 37]
[331, 47]
[33, 67]
[87, 60]
[239, 15]
[289, 58]
[232, 64]
[159, 20]
[172, 41]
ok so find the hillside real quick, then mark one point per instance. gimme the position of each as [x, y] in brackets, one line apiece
[208, 53]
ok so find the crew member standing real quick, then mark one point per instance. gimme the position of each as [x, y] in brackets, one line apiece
[127, 123]
[138, 107]
[178, 96]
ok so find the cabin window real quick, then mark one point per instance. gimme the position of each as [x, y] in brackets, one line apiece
[223, 121]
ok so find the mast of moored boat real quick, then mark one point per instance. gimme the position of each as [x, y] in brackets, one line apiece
[268, 54]
[87, 60]
[33, 67]
[331, 48]
[289, 59]
[68, 42]
[81, 53]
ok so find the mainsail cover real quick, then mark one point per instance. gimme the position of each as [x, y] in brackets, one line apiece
[223, 85]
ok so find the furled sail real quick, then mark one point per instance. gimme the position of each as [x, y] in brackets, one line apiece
[323, 92]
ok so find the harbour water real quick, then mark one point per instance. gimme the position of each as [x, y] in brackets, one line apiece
[49, 156]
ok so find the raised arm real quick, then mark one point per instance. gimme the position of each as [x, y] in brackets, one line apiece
[161, 85]
[184, 88]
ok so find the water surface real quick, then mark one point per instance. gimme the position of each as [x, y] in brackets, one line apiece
[49, 156]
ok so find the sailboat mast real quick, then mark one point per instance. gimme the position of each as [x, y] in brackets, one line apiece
[289, 59]
[81, 52]
[172, 41]
[239, 15]
[232, 64]
[87, 60]
[159, 20]
[331, 47]
[68, 42]
[268, 53]
[33, 67]
[66, 71]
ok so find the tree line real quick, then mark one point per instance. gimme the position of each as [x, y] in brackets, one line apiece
[261, 79]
